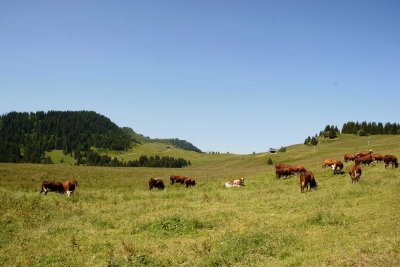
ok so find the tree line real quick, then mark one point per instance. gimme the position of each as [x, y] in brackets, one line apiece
[362, 129]
[24, 137]
[370, 128]
[95, 159]
[330, 132]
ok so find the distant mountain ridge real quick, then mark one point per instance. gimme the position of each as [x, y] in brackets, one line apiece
[139, 138]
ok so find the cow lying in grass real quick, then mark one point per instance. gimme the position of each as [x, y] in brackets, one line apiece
[239, 182]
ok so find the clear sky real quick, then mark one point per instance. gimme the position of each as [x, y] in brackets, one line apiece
[237, 76]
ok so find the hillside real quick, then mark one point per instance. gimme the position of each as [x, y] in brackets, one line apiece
[141, 139]
[24, 137]
[113, 219]
[32, 137]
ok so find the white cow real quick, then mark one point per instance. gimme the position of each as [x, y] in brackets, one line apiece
[239, 182]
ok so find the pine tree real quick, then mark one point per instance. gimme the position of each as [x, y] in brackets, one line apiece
[314, 141]
[332, 133]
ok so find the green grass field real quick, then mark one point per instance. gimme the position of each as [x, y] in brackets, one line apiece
[113, 219]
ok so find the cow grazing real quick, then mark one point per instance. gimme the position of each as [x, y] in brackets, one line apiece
[349, 157]
[281, 165]
[368, 159]
[239, 182]
[172, 179]
[177, 179]
[387, 159]
[298, 168]
[329, 162]
[363, 154]
[69, 187]
[52, 187]
[377, 157]
[157, 183]
[337, 167]
[307, 181]
[189, 182]
[284, 171]
[355, 173]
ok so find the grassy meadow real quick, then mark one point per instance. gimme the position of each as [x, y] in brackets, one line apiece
[113, 219]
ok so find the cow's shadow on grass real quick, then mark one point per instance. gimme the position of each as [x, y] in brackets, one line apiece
[339, 173]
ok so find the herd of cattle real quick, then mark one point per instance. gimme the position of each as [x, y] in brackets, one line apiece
[307, 179]
[158, 183]
[187, 181]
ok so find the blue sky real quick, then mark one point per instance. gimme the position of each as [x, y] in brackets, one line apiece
[237, 76]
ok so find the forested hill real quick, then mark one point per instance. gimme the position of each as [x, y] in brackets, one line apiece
[139, 138]
[24, 137]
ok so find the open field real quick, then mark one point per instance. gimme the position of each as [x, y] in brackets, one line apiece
[112, 219]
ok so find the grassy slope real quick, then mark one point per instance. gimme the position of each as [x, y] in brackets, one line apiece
[113, 219]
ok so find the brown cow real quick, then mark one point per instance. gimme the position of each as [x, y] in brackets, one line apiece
[172, 179]
[337, 167]
[157, 183]
[69, 187]
[364, 160]
[281, 165]
[363, 154]
[355, 173]
[177, 179]
[307, 180]
[387, 159]
[349, 157]
[286, 171]
[189, 182]
[298, 168]
[377, 157]
[52, 187]
[329, 162]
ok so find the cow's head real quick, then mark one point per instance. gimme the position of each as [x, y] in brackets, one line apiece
[333, 167]
[316, 187]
